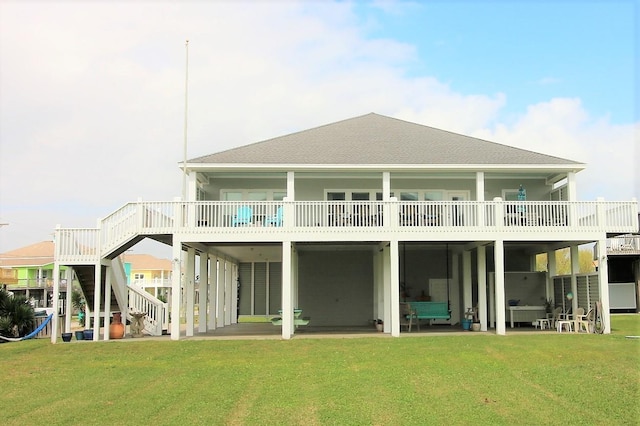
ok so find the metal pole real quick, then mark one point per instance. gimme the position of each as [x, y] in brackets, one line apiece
[186, 98]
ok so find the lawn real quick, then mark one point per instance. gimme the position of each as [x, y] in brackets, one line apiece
[477, 379]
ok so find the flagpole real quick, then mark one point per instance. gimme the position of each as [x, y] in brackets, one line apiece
[186, 103]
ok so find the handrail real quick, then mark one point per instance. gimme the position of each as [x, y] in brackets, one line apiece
[157, 311]
[201, 217]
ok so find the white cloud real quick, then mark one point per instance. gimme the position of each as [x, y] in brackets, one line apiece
[561, 127]
[93, 99]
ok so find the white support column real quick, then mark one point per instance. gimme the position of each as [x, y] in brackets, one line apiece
[571, 187]
[221, 299]
[480, 197]
[603, 284]
[107, 302]
[228, 293]
[68, 276]
[467, 290]
[96, 301]
[56, 289]
[291, 186]
[203, 292]
[575, 269]
[386, 186]
[234, 293]
[394, 311]
[176, 280]
[482, 289]
[189, 291]
[192, 189]
[287, 291]
[500, 298]
[213, 292]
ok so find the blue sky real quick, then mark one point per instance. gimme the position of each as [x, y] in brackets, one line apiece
[530, 50]
[91, 93]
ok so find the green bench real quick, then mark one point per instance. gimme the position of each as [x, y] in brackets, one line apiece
[430, 310]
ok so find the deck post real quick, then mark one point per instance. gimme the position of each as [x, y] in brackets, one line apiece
[213, 291]
[107, 302]
[203, 291]
[499, 278]
[228, 293]
[575, 270]
[287, 291]
[96, 300]
[394, 313]
[176, 279]
[67, 317]
[56, 289]
[189, 290]
[221, 300]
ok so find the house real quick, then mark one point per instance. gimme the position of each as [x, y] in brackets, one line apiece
[28, 271]
[340, 223]
[148, 272]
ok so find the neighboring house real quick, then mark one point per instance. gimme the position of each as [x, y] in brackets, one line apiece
[346, 220]
[28, 271]
[623, 259]
[148, 272]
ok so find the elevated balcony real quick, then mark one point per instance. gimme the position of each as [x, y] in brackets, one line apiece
[226, 221]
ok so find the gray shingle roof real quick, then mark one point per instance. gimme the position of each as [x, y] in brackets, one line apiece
[377, 139]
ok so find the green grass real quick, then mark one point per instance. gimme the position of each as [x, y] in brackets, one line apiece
[471, 379]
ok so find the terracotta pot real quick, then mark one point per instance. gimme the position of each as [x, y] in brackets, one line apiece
[116, 329]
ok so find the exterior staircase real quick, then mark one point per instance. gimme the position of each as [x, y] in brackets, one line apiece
[124, 298]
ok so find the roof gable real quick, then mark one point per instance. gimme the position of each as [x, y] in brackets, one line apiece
[374, 139]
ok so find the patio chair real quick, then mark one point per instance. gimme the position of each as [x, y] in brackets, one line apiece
[556, 316]
[407, 316]
[244, 216]
[585, 322]
[275, 220]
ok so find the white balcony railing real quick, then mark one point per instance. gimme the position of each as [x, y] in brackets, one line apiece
[271, 217]
[624, 244]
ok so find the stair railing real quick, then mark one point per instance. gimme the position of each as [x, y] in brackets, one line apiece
[157, 311]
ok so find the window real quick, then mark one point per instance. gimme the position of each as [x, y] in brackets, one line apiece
[138, 276]
[360, 196]
[433, 196]
[257, 196]
[232, 196]
[409, 196]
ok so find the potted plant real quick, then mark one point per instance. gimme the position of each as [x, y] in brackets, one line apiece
[548, 305]
[379, 325]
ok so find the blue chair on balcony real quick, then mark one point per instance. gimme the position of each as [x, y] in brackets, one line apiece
[275, 220]
[244, 216]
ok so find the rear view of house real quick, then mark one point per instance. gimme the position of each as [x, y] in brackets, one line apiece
[343, 222]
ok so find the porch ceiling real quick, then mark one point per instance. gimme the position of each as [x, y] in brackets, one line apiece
[260, 252]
